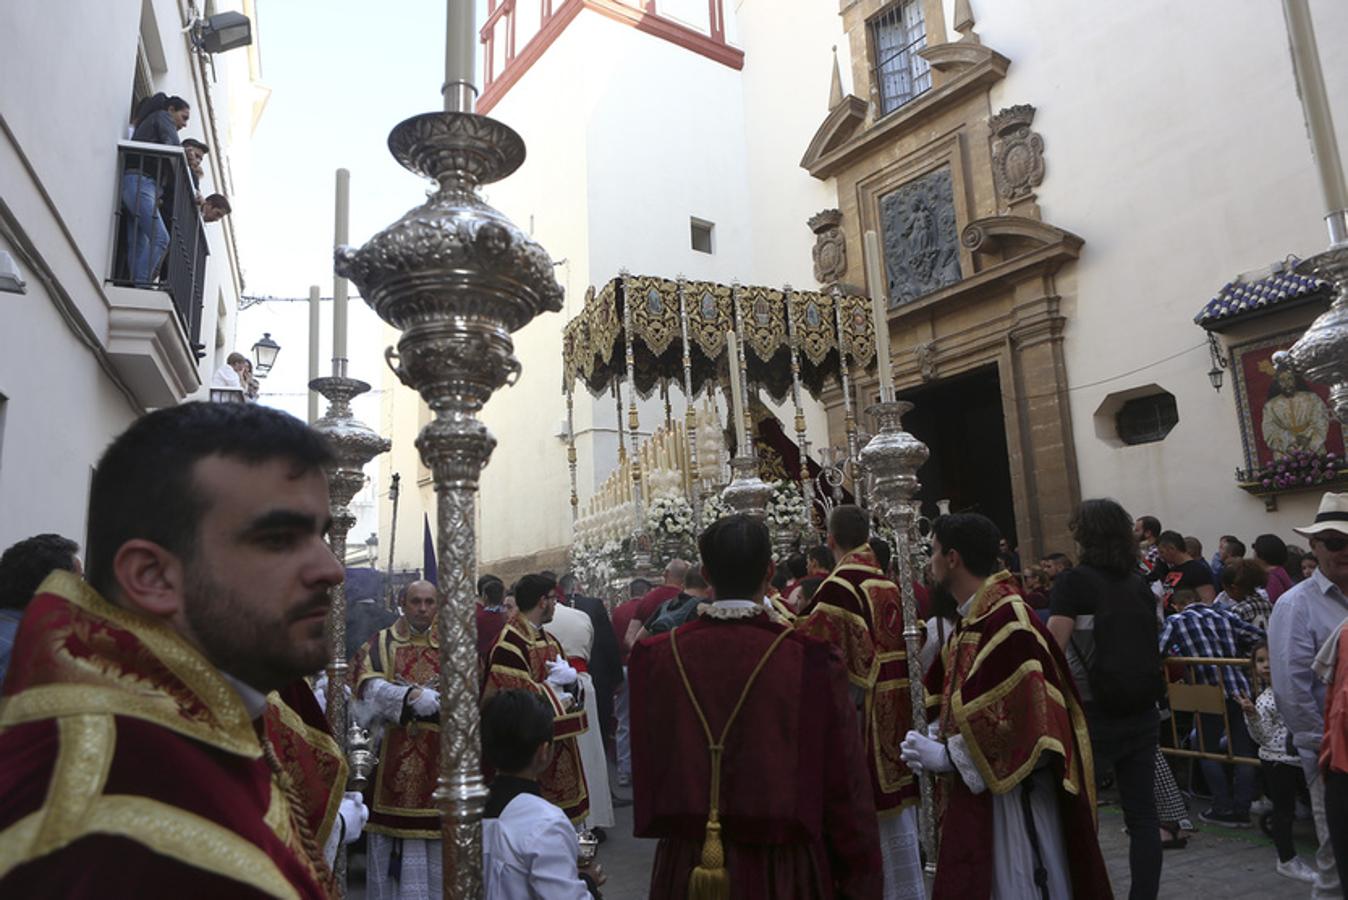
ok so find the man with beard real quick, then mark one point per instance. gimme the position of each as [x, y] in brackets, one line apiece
[395, 675]
[528, 658]
[145, 745]
[1010, 739]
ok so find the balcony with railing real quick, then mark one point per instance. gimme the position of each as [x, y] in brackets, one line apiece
[157, 278]
[517, 32]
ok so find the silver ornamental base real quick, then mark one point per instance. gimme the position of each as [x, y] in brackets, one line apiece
[892, 458]
[747, 493]
[456, 277]
[353, 444]
[1321, 355]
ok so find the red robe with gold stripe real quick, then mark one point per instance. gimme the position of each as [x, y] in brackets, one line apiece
[859, 611]
[794, 805]
[1003, 684]
[132, 768]
[409, 759]
[519, 662]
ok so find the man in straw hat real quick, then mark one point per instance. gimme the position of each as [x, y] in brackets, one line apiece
[1304, 619]
[746, 756]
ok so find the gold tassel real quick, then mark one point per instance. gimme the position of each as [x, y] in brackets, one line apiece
[710, 881]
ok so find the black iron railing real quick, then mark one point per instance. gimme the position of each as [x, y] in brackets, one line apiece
[896, 36]
[160, 241]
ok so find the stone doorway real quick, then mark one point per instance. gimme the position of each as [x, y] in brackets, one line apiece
[960, 419]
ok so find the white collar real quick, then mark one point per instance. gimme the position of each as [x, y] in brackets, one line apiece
[254, 701]
[1326, 586]
[731, 609]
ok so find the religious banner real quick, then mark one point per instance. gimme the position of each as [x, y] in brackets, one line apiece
[1281, 414]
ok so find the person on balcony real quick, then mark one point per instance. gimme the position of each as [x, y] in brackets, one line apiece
[143, 183]
[214, 208]
[195, 151]
[230, 375]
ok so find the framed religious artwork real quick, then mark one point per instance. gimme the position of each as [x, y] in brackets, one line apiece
[1291, 439]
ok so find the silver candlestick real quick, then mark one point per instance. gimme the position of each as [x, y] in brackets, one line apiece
[353, 444]
[746, 492]
[892, 458]
[457, 278]
[1321, 355]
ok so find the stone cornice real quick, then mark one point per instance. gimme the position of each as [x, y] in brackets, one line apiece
[842, 122]
[839, 140]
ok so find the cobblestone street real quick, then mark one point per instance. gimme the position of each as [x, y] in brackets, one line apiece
[1230, 864]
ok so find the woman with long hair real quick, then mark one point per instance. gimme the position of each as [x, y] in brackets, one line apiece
[1114, 672]
[143, 183]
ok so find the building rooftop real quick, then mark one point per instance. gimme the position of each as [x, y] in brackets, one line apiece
[1255, 293]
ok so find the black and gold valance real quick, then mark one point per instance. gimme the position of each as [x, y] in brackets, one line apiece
[660, 311]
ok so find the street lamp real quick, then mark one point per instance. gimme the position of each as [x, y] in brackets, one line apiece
[1218, 363]
[264, 354]
[221, 32]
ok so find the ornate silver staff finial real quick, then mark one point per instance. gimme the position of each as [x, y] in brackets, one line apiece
[456, 277]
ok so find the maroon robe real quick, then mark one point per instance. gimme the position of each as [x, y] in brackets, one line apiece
[409, 760]
[1003, 684]
[519, 661]
[859, 611]
[795, 807]
[132, 769]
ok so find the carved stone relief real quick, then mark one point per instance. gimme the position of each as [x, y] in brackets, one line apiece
[830, 246]
[920, 242]
[1017, 153]
[925, 355]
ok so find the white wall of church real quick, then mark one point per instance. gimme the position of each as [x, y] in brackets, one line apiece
[629, 137]
[1175, 146]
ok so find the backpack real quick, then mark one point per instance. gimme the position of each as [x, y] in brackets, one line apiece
[673, 613]
[1124, 671]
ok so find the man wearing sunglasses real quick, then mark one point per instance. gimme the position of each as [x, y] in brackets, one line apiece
[1303, 619]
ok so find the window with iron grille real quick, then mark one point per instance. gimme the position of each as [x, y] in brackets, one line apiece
[896, 36]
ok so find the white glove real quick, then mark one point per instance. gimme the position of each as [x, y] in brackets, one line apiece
[922, 754]
[354, 815]
[427, 703]
[321, 691]
[560, 673]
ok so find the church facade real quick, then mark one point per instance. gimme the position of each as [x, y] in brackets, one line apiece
[1083, 221]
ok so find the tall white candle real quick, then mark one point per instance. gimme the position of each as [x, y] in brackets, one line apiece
[1315, 104]
[878, 290]
[732, 345]
[340, 232]
[460, 45]
[314, 348]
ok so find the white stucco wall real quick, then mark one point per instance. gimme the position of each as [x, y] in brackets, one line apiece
[629, 136]
[1175, 146]
[66, 74]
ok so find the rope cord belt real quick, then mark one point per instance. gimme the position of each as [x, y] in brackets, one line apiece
[710, 881]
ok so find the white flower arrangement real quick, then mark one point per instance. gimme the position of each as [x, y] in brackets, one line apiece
[787, 509]
[713, 508]
[670, 517]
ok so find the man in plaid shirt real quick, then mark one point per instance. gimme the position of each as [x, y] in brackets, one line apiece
[1212, 631]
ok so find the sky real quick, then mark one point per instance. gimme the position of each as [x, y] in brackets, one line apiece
[342, 74]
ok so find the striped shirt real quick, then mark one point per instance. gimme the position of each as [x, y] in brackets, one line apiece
[1254, 609]
[1211, 631]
